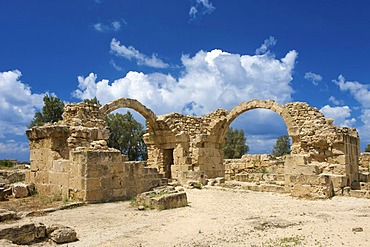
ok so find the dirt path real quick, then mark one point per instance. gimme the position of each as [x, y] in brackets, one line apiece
[222, 218]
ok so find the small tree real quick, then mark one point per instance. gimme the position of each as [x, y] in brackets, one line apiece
[6, 163]
[93, 101]
[126, 135]
[235, 146]
[51, 111]
[367, 148]
[282, 146]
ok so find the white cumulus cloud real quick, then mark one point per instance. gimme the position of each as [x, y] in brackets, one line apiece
[264, 48]
[17, 107]
[131, 53]
[210, 80]
[358, 90]
[335, 101]
[17, 103]
[114, 26]
[314, 78]
[361, 93]
[340, 114]
[200, 8]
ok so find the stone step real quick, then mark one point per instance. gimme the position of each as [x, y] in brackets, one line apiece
[259, 177]
[260, 187]
[359, 193]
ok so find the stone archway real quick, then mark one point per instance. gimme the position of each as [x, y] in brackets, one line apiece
[256, 104]
[148, 114]
[154, 138]
[185, 147]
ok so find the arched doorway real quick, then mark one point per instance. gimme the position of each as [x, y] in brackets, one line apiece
[148, 114]
[158, 137]
[221, 127]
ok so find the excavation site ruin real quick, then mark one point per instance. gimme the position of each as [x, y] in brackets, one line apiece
[71, 157]
[297, 199]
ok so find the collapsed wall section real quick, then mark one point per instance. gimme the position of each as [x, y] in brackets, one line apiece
[71, 159]
[106, 175]
[255, 168]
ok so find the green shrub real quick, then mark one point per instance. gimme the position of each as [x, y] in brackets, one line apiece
[6, 163]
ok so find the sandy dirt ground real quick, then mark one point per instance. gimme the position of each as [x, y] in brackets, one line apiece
[221, 217]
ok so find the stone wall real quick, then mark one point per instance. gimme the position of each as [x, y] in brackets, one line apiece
[106, 175]
[364, 161]
[183, 147]
[12, 176]
[71, 158]
[253, 164]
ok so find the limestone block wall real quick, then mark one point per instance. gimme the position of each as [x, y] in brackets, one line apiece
[364, 167]
[194, 151]
[254, 163]
[304, 179]
[48, 147]
[364, 161]
[184, 147]
[106, 175]
[179, 145]
[71, 158]
[319, 140]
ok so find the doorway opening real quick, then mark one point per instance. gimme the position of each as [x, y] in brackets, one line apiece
[167, 162]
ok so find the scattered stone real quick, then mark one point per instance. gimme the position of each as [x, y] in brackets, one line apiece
[211, 182]
[220, 180]
[63, 235]
[34, 232]
[4, 193]
[195, 185]
[40, 231]
[23, 234]
[7, 215]
[163, 199]
[357, 229]
[141, 208]
[179, 188]
[52, 228]
[20, 190]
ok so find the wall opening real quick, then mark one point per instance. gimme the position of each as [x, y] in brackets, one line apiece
[127, 128]
[168, 162]
[261, 127]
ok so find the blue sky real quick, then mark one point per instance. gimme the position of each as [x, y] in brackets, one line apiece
[187, 56]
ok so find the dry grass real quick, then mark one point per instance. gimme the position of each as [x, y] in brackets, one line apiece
[33, 203]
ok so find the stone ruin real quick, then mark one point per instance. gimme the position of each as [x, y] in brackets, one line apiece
[71, 157]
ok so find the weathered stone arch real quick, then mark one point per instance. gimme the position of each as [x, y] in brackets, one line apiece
[256, 104]
[323, 156]
[148, 114]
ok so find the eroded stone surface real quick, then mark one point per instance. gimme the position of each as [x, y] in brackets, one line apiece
[71, 157]
[63, 235]
[20, 190]
[36, 232]
[161, 199]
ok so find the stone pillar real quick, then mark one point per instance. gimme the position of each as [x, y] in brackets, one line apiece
[303, 179]
[49, 155]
